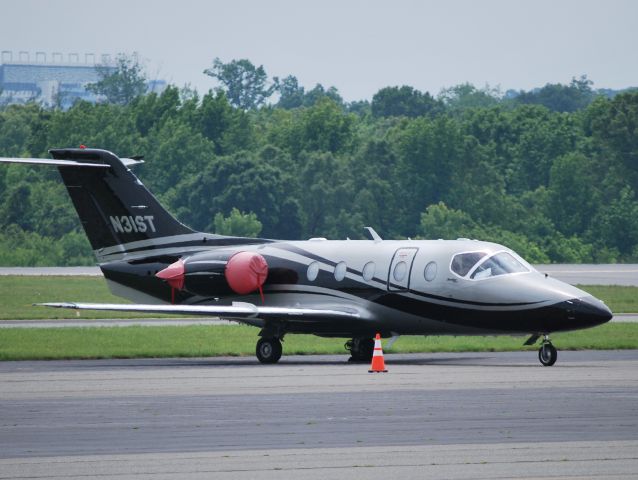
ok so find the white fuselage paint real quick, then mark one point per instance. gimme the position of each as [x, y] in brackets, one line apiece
[527, 287]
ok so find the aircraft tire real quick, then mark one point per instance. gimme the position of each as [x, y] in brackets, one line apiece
[547, 354]
[268, 350]
[361, 349]
[367, 348]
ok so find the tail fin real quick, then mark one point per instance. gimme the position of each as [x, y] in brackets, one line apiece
[113, 205]
[121, 218]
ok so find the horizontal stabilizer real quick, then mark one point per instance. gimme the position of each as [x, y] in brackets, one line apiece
[57, 163]
[128, 162]
[236, 310]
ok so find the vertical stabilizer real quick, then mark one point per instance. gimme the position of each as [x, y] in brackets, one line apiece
[114, 206]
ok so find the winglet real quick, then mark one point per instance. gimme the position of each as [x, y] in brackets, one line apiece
[373, 234]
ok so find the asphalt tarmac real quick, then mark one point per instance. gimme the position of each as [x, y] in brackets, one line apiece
[457, 416]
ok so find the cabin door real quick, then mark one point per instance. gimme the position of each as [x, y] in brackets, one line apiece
[400, 269]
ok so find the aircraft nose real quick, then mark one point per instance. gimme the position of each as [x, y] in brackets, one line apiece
[587, 311]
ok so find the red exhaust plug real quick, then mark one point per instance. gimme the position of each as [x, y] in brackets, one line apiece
[173, 274]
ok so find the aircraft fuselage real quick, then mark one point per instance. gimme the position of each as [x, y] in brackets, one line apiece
[398, 286]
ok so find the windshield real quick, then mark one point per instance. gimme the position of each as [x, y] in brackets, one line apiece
[479, 267]
[499, 264]
[463, 262]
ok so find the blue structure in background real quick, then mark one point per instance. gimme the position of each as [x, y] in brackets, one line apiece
[56, 83]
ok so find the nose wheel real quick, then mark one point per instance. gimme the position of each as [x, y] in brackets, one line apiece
[547, 354]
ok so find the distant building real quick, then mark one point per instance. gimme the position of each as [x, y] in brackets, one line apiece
[55, 82]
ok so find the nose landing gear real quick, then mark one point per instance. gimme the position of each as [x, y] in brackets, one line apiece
[547, 354]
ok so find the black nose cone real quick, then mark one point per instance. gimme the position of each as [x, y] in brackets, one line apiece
[587, 312]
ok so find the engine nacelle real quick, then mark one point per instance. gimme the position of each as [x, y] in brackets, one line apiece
[217, 273]
[246, 272]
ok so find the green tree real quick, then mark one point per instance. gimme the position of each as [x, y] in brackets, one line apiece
[107, 126]
[439, 221]
[324, 127]
[23, 130]
[14, 133]
[153, 109]
[465, 96]
[16, 208]
[616, 225]
[403, 101]
[323, 192]
[373, 182]
[291, 94]
[241, 181]
[429, 152]
[175, 152]
[561, 98]
[554, 186]
[215, 117]
[237, 224]
[613, 125]
[228, 128]
[319, 93]
[573, 195]
[245, 85]
[120, 84]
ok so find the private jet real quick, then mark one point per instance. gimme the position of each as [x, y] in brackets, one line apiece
[348, 289]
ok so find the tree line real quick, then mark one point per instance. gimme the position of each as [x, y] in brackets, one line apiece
[551, 173]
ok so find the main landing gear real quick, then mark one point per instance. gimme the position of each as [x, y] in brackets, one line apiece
[360, 348]
[547, 354]
[269, 350]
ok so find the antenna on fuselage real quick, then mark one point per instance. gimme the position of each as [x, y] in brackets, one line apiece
[373, 234]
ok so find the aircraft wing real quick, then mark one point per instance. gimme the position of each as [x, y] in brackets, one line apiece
[238, 310]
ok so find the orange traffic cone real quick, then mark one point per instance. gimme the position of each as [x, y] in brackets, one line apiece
[378, 364]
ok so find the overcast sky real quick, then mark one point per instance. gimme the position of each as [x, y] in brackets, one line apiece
[358, 46]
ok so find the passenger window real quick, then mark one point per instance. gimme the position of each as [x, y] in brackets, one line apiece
[400, 270]
[368, 271]
[430, 271]
[313, 271]
[340, 271]
[463, 262]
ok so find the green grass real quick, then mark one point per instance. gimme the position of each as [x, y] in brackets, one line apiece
[18, 293]
[208, 341]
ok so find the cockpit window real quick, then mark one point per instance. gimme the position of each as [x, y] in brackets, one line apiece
[463, 262]
[499, 264]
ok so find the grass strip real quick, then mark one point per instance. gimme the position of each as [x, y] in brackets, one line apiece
[18, 294]
[233, 340]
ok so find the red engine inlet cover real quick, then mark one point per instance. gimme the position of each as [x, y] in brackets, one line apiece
[246, 272]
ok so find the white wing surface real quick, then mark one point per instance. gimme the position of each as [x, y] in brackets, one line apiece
[238, 310]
